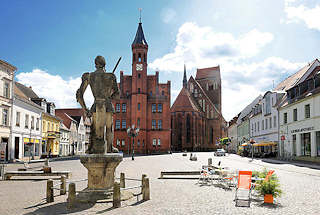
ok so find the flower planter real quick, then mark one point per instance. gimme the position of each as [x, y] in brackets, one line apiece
[268, 198]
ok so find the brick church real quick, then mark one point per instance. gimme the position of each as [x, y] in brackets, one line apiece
[143, 102]
[196, 118]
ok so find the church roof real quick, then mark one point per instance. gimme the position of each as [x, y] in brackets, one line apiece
[139, 39]
[210, 72]
[184, 102]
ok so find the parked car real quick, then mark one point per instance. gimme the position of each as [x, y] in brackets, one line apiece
[220, 152]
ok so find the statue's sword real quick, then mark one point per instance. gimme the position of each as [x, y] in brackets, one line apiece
[116, 65]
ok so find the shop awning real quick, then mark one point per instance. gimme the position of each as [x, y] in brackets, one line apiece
[265, 143]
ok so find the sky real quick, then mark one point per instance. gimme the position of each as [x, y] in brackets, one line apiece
[256, 43]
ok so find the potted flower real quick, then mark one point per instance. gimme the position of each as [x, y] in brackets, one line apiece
[269, 188]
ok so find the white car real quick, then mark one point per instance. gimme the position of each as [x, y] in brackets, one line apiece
[220, 152]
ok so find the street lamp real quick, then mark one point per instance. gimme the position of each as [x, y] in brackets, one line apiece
[252, 142]
[133, 133]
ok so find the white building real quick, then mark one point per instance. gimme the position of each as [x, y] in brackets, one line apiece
[26, 127]
[65, 145]
[233, 135]
[264, 122]
[300, 117]
[6, 95]
[78, 145]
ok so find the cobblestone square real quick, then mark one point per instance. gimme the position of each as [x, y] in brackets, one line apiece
[300, 185]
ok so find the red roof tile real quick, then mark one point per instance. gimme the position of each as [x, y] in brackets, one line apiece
[184, 102]
[210, 72]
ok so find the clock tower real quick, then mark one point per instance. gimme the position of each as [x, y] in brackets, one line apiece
[144, 103]
[139, 82]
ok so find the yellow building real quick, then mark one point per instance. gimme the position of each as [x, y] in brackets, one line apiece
[50, 133]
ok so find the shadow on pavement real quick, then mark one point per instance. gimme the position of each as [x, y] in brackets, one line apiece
[59, 208]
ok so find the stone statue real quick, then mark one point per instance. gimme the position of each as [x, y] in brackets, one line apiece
[104, 88]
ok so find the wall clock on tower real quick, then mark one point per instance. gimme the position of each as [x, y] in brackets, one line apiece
[139, 67]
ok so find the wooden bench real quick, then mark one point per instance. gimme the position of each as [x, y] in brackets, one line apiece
[9, 174]
[163, 173]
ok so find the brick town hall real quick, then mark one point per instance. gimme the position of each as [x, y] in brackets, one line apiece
[143, 102]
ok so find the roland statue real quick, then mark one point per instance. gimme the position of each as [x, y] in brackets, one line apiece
[104, 88]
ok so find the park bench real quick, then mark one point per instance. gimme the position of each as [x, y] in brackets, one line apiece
[163, 173]
[9, 174]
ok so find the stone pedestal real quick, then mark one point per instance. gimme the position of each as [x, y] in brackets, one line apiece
[101, 168]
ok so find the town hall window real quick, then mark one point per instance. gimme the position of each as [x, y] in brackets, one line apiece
[154, 108]
[139, 57]
[138, 106]
[139, 75]
[159, 124]
[154, 124]
[138, 90]
[118, 108]
[117, 124]
[160, 108]
[124, 107]
[124, 124]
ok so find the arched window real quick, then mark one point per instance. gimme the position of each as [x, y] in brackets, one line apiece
[139, 57]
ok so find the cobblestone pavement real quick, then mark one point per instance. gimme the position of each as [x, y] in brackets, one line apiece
[301, 189]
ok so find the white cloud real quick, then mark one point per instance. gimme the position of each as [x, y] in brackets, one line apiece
[168, 14]
[242, 81]
[198, 45]
[53, 88]
[310, 16]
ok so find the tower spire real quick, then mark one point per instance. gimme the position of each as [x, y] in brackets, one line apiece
[184, 77]
[140, 9]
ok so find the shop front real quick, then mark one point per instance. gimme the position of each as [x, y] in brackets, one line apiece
[31, 148]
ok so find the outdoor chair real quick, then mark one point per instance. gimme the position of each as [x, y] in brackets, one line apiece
[243, 189]
[204, 177]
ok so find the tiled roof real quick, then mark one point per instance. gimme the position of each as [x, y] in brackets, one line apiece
[248, 109]
[210, 72]
[184, 102]
[27, 91]
[66, 119]
[292, 80]
[20, 95]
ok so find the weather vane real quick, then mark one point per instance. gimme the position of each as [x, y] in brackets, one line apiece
[140, 9]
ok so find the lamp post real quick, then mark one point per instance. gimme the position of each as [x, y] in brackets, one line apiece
[252, 142]
[132, 132]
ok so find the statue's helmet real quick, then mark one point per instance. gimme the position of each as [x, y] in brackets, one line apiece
[100, 62]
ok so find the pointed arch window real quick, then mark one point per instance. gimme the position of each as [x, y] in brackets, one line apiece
[139, 57]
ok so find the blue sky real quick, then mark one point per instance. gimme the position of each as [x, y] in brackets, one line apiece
[255, 42]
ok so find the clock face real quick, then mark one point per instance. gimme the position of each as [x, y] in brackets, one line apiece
[139, 67]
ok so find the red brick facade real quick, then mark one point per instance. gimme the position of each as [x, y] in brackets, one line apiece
[196, 119]
[143, 102]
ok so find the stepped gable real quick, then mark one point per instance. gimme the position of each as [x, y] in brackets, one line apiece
[205, 94]
[184, 102]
